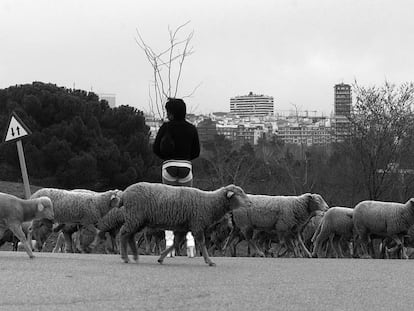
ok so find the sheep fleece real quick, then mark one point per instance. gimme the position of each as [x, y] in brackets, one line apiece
[77, 206]
[383, 217]
[278, 212]
[169, 207]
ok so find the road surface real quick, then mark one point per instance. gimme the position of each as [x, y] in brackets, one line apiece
[104, 282]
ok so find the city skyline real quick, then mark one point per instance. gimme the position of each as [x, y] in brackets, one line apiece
[294, 51]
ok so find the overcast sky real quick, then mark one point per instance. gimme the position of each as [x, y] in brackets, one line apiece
[295, 51]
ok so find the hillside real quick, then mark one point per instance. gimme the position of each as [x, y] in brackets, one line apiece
[15, 188]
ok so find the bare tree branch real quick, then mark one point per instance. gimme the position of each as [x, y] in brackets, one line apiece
[167, 66]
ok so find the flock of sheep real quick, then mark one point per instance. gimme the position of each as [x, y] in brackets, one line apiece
[302, 225]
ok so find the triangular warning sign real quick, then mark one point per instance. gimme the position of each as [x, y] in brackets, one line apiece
[16, 129]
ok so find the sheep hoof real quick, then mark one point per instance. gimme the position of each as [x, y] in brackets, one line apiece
[212, 264]
[125, 259]
[160, 261]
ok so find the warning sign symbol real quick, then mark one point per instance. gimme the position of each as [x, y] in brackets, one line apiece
[16, 129]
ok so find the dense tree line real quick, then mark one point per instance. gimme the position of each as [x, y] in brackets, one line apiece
[79, 141]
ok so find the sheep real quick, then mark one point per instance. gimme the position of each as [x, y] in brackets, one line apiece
[336, 223]
[15, 211]
[180, 209]
[384, 219]
[284, 215]
[80, 206]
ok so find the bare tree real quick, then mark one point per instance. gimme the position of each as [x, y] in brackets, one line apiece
[381, 124]
[167, 66]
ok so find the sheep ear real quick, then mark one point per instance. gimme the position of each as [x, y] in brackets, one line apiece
[114, 200]
[40, 207]
[229, 194]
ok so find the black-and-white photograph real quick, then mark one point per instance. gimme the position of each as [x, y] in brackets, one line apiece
[206, 155]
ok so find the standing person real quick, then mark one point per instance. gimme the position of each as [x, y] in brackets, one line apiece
[177, 144]
[190, 245]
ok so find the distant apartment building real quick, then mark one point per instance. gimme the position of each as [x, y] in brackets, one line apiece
[240, 134]
[110, 98]
[342, 110]
[252, 105]
[302, 134]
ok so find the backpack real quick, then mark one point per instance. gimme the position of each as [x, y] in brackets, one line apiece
[167, 144]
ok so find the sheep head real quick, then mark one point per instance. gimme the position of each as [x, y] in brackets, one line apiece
[44, 208]
[116, 199]
[316, 203]
[41, 229]
[236, 197]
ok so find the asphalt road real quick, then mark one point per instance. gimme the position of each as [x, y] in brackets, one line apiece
[103, 282]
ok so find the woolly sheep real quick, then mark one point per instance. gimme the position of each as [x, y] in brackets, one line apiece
[336, 225]
[180, 209]
[285, 215]
[80, 206]
[14, 211]
[385, 219]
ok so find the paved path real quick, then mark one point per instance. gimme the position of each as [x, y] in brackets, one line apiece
[103, 282]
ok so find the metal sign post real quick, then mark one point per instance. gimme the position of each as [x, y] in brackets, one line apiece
[23, 168]
[15, 131]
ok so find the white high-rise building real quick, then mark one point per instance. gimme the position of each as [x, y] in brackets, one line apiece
[252, 105]
[110, 98]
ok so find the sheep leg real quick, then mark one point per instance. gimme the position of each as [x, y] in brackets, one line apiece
[18, 232]
[364, 240]
[200, 239]
[114, 243]
[304, 248]
[59, 242]
[124, 236]
[229, 240]
[2, 230]
[233, 248]
[133, 246]
[29, 239]
[68, 242]
[147, 240]
[319, 240]
[178, 238]
[338, 247]
[397, 240]
[248, 234]
[295, 248]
